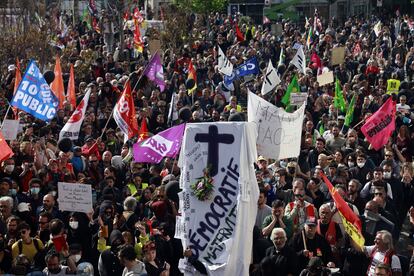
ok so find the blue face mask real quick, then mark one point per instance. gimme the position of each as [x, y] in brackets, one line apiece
[267, 180]
[35, 190]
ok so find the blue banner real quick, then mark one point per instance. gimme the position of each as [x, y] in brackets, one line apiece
[248, 68]
[34, 95]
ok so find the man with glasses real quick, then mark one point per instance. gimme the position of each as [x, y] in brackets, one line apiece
[378, 178]
[43, 231]
[26, 244]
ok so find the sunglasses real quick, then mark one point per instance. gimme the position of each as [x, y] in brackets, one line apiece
[299, 195]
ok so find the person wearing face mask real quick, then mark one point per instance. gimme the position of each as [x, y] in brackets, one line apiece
[79, 233]
[378, 177]
[35, 195]
[9, 169]
[75, 250]
[361, 170]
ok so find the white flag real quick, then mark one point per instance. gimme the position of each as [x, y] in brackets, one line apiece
[299, 60]
[224, 65]
[278, 132]
[377, 28]
[72, 127]
[271, 79]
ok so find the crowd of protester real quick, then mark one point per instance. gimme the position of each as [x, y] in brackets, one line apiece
[298, 230]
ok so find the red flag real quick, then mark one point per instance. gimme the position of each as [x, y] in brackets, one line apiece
[341, 204]
[17, 80]
[95, 25]
[124, 113]
[143, 131]
[240, 36]
[5, 151]
[316, 62]
[92, 150]
[126, 16]
[138, 44]
[138, 16]
[379, 127]
[70, 94]
[57, 84]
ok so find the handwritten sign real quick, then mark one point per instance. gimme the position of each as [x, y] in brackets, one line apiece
[278, 132]
[338, 55]
[325, 78]
[298, 98]
[75, 197]
[10, 129]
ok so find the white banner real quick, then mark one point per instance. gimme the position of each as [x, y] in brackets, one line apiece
[10, 129]
[279, 132]
[74, 197]
[217, 223]
[71, 128]
[298, 98]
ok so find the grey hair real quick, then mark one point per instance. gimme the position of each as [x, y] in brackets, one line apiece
[8, 200]
[275, 231]
[130, 203]
[387, 238]
[325, 205]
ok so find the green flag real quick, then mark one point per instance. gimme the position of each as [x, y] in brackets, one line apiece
[339, 101]
[350, 112]
[86, 18]
[293, 87]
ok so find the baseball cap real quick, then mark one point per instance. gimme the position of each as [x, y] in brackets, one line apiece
[311, 221]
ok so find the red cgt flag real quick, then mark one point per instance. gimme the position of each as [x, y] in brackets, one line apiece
[143, 131]
[239, 35]
[379, 127]
[5, 151]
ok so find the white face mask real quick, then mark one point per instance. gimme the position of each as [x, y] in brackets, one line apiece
[9, 168]
[283, 164]
[360, 164]
[77, 257]
[387, 175]
[74, 224]
[351, 164]
[277, 178]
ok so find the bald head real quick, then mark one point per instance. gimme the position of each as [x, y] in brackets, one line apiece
[48, 202]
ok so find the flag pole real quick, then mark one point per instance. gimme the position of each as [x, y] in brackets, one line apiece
[145, 68]
[106, 125]
[5, 115]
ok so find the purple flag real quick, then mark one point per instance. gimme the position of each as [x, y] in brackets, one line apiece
[155, 72]
[155, 148]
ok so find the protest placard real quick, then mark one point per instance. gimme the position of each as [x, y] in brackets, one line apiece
[74, 197]
[298, 98]
[279, 132]
[338, 55]
[325, 78]
[10, 129]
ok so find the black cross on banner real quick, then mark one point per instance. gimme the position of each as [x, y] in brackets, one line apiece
[213, 138]
[267, 77]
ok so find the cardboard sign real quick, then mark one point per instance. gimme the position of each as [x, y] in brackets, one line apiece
[10, 129]
[277, 29]
[338, 55]
[325, 78]
[75, 197]
[154, 45]
[298, 98]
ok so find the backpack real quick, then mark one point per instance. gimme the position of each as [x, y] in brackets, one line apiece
[35, 242]
[39, 258]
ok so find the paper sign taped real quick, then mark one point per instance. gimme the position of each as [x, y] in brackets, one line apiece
[298, 98]
[74, 197]
[325, 78]
[10, 129]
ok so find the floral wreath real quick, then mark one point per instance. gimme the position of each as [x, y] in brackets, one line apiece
[204, 186]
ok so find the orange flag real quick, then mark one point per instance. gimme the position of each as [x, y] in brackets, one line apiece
[5, 151]
[57, 84]
[17, 80]
[71, 95]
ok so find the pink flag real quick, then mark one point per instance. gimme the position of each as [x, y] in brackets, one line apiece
[155, 72]
[379, 127]
[155, 148]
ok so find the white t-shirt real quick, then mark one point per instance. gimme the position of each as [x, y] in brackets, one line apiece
[379, 258]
